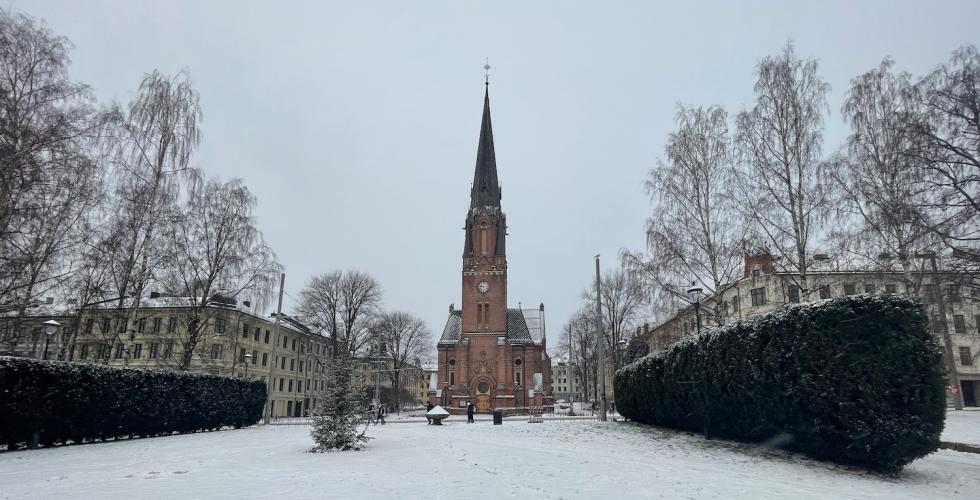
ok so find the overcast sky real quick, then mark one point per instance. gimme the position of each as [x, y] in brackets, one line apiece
[355, 123]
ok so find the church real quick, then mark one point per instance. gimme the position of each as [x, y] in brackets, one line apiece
[490, 355]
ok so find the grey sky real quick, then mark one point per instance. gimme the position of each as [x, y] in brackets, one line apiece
[355, 123]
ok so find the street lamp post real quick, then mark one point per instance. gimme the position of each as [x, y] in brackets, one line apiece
[600, 343]
[248, 360]
[50, 328]
[695, 293]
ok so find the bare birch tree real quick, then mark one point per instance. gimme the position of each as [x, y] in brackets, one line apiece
[878, 175]
[948, 136]
[781, 188]
[150, 149]
[693, 234]
[215, 253]
[48, 181]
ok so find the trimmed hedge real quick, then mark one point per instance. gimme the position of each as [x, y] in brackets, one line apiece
[855, 380]
[83, 402]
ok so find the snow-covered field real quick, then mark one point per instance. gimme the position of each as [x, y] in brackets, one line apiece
[570, 459]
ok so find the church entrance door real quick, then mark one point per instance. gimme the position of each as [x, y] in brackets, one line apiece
[483, 403]
[483, 397]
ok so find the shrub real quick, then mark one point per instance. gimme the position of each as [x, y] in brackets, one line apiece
[74, 401]
[855, 380]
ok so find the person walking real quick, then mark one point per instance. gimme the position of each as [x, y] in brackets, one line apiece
[371, 414]
[470, 409]
[428, 408]
[381, 415]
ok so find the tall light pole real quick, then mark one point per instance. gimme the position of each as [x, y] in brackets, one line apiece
[695, 293]
[50, 328]
[248, 360]
[272, 358]
[954, 378]
[600, 344]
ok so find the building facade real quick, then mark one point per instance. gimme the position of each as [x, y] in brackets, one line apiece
[232, 340]
[565, 383]
[489, 354]
[762, 289]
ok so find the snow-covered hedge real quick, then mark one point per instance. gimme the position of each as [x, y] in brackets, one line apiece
[75, 401]
[855, 380]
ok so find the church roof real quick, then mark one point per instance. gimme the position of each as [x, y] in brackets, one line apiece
[486, 188]
[523, 327]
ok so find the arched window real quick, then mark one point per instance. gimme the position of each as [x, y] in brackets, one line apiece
[518, 372]
[452, 372]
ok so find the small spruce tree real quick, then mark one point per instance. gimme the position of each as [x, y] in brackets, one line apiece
[336, 423]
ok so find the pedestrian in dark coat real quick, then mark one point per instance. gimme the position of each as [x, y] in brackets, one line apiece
[381, 414]
[469, 413]
[428, 408]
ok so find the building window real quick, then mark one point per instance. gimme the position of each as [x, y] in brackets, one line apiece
[283, 365]
[257, 331]
[756, 273]
[105, 325]
[735, 303]
[157, 324]
[241, 355]
[869, 288]
[168, 350]
[84, 352]
[265, 358]
[137, 351]
[891, 289]
[825, 292]
[255, 357]
[452, 372]
[172, 324]
[123, 325]
[794, 294]
[281, 383]
[294, 345]
[758, 296]
[141, 325]
[104, 350]
[285, 341]
[301, 367]
[217, 351]
[850, 289]
[89, 324]
[929, 292]
[954, 293]
[290, 385]
[976, 322]
[518, 372]
[966, 359]
[292, 365]
[267, 336]
[219, 325]
[959, 323]
[120, 351]
[153, 350]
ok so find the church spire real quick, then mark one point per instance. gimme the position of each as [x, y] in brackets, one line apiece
[486, 189]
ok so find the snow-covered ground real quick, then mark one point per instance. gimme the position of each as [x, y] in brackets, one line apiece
[963, 426]
[408, 459]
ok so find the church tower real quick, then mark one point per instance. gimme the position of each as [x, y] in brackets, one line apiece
[484, 250]
[488, 355]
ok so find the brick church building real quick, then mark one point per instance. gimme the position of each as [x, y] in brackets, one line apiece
[489, 354]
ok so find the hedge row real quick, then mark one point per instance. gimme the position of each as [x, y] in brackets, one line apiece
[855, 380]
[81, 402]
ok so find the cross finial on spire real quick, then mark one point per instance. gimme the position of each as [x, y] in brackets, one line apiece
[486, 73]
